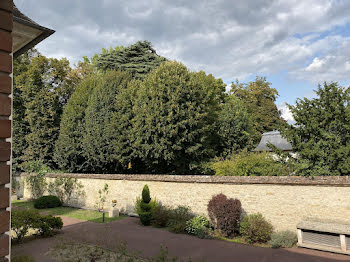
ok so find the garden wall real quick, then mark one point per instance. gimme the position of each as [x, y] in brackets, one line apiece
[284, 201]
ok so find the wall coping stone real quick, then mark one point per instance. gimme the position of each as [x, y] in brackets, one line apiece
[338, 181]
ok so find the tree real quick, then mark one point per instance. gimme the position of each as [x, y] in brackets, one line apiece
[321, 134]
[98, 141]
[259, 99]
[41, 93]
[234, 127]
[174, 120]
[138, 59]
[69, 152]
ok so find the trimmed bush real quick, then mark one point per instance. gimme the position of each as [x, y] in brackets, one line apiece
[256, 229]
[146, 197]
[160, 216]
[198, 226]
[225, 214]
[178, 218]
[144, 207]
[283, 239]
[47, 225]
[21, 221]
[47, 202]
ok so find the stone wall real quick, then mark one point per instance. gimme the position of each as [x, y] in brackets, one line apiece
[284, 201]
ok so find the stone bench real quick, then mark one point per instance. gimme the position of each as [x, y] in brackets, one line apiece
[324, 235]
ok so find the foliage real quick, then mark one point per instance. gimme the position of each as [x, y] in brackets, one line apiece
[37, 180]
[321, 134]
[146, 197]
[47, 225]
[163, 256]
[153, 205]
[178, 218]
[102, 195]
[69, 151]
[99, 145]
[22, 259]
[145, 207]
[251, 164]
[256, 229]
[64, 187]
[234, 127]
[198, 226]
[160, 216]
[174, 120]
[259, 99]
[225, 214]
[21, 221]
[138, 59]
[285, 239]
[47, 202]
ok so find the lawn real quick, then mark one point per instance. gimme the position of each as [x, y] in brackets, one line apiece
[82, 214]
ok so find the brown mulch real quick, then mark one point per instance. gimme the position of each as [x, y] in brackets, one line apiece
[148, 240]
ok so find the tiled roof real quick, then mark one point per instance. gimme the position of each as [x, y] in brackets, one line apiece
[275, 138]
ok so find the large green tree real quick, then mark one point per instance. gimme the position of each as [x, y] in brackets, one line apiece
[138, 59]
[234, 127]
[99, 138]
[38, 102]
[69, 151]
[321, 134]
[174, 120]
[259, 99]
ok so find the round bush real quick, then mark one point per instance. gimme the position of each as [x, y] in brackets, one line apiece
[255, 229]
[283, 239]
[198, 226]
[47, 202]
[145, 218]
[160, 216]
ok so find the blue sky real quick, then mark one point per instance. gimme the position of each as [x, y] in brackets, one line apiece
[295, 44]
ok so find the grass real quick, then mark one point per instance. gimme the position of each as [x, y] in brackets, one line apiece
[82, 214]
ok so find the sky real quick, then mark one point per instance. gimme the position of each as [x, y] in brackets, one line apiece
[295, 44]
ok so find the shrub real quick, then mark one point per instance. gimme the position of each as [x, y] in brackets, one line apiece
[198, 226]
[255, 229]
[283, 239]
[144, 207]
[21, 221]
[225, 214]
[37, 181]
[47, 225]
[250, 164]
[22, 259]
[47, 202]
[146, 197]
[160, 216]
[178, 218]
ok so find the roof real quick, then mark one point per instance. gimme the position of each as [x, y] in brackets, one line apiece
[275, 138]
[22, 22]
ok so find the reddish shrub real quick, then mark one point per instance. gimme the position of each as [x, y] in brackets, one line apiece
[225, 214]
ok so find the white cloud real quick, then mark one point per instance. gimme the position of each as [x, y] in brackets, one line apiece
[286, 113]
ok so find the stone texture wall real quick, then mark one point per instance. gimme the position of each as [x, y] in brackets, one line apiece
[284, 201]
[6, 23]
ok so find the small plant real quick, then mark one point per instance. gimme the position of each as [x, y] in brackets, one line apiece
[102, 195]
[64, 187]
[198, 226]
[178, 218]
[163, 256]
[21, 221]
[225, 214]
[255, 229]
[47, 202]
[36, 180]
[283, 239]
[160, 216]
[145, 212]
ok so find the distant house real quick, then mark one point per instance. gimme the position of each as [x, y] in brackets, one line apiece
[276, 139]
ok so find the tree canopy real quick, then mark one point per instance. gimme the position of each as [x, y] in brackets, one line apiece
[321, 134]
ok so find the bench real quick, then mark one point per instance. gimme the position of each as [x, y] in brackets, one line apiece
[324, 235]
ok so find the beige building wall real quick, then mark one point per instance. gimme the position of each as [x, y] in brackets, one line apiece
[283, 201]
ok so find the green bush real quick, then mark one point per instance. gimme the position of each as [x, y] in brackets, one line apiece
[255, 228]
[47, 202]
[178, 218]
[146, 197]
[47, 225]
[250, 164]
[283, 239]
[23, 220]
[37, 180]
[22, 259]
[198, 226]
[145, 206]
[160, 216]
